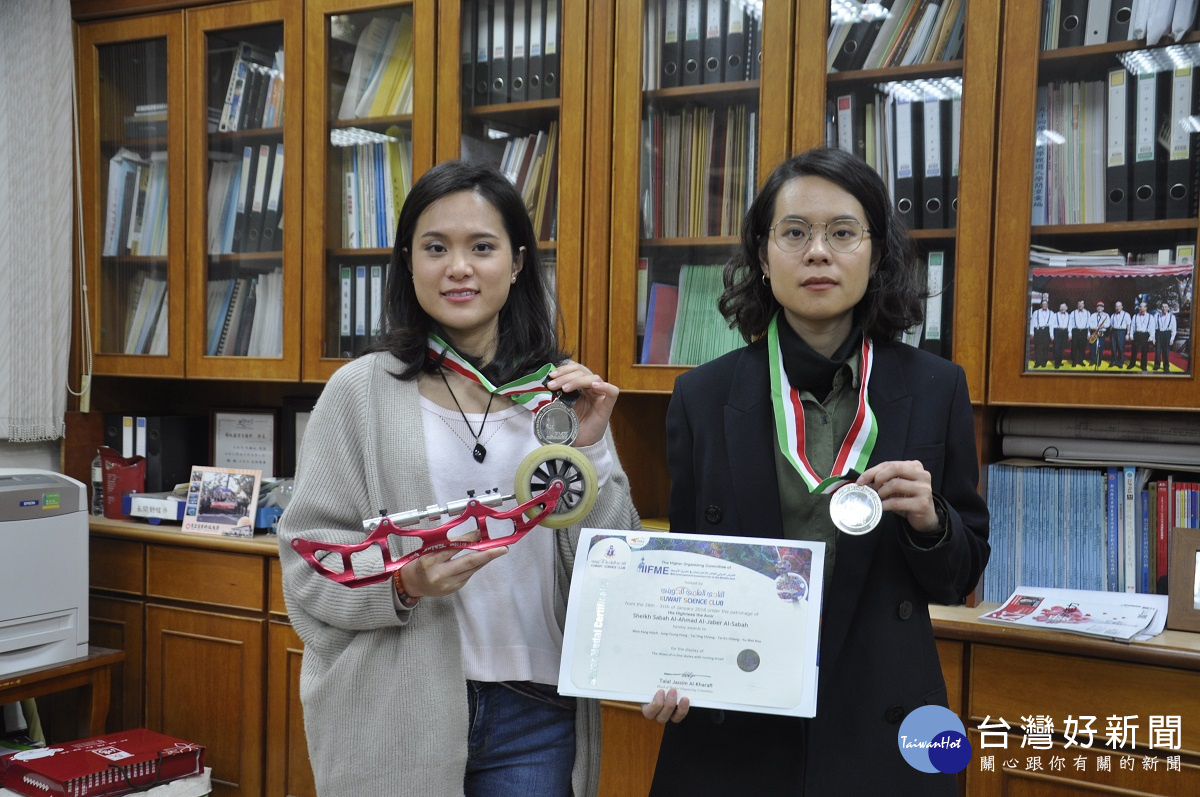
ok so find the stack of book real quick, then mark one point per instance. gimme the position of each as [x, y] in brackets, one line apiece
[895, 33]
[531, 163]
[698, 171]
[376, 177]
[245, 315]
[135, 217]
[381, 74]
[254, 93]
[682, 323]
[245, 200]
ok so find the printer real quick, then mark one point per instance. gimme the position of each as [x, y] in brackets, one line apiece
[44, 589]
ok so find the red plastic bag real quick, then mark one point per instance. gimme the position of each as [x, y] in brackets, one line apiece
[122, 476]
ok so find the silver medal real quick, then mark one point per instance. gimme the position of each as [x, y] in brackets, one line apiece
[855, 509]
[556, 424]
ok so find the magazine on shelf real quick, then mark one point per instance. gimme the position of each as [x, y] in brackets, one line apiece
[1122, 616]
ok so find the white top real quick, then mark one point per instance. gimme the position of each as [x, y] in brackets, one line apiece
[506, 611]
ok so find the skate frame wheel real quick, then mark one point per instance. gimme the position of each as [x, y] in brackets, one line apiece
[580, 485]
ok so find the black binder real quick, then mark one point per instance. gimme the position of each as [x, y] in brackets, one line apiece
[735, 42]
[693, 48]
[908, 150]
[1120, 107]
[672, 43]
[550, 50]
[533, 82]
[270, 223]
[483, 51]
[939, 303]
[174, 443]
[1179, 197]
[1119, 17]
[254, 219]
[1148, 163]
[501, 49]
[245, 198]
[345, 277]
[712, 35]
[934, 164]
[854, 50]
[754, 40]
[519, 33]
[1071, 23]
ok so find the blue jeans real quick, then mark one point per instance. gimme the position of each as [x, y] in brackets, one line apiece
[518, 745]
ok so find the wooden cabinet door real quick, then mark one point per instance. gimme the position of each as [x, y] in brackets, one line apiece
[204, 683]
[288, 769]
[118, 624]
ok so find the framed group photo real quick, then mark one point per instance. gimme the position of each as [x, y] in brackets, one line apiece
[1093, 313]
[222, 501]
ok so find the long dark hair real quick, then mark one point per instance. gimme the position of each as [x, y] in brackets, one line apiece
[528, 336]
[895, 295]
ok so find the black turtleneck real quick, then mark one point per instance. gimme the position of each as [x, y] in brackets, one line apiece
[808, 369]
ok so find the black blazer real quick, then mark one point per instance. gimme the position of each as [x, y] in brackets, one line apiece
[878, 659]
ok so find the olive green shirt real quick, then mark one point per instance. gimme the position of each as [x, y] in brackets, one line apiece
[805, 514]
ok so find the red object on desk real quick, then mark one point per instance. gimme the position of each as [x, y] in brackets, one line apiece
[103, 766]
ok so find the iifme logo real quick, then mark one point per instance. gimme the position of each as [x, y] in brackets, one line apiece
[933, 739]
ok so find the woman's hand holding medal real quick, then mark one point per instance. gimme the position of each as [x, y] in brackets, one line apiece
[594, 404]
[905, 488]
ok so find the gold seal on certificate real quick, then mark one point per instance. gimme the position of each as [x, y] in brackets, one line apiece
[556, 424]
[855, 508]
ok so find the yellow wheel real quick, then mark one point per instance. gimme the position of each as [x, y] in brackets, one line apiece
[580, 485]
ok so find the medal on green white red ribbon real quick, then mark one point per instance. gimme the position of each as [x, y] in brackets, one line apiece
[554, 419]
[855, 509]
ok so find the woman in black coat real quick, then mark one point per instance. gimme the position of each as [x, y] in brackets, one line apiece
[823, 284]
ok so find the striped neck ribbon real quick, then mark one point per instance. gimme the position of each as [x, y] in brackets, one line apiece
[528, 391]
[855, 450]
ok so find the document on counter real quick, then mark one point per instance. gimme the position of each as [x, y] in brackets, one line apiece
[730, 622]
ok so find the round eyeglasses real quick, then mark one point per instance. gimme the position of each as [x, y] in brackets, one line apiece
[794, 235]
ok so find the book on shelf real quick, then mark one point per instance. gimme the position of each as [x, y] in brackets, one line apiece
[700, 333]
[241, 74]
[381, 72]
[660, 322]
[1123, 617]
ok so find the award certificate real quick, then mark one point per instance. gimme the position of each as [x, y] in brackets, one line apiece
[731, 622]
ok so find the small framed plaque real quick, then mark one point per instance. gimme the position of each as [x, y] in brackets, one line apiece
[245, 439]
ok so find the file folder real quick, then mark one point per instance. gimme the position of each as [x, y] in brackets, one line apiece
[362, 303]
[245, 198]
[254, 222]
[905, 172]
[854, 50]
[1116, 176]
[933, 183]
[735, 42]
[1071, 23]
[517, 80]
[955, 151]
[713, 48]
[483, 51]
[550, 53]
[938, 305]
[533, 83]
[270, 224]
[1095, 29]
[754, 39]
[672, 43]
[346, 315]
[846, 134]
[1118, 22]
[498, 88]
[1146, 198]
[1179, 198]
[692, 47]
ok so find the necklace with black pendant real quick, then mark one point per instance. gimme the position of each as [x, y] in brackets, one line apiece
[479, 452]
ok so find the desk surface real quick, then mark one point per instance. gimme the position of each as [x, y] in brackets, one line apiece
[96, 658]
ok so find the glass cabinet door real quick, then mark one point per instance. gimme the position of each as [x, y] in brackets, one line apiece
[1096, 252]
[368, 109]
[695, 113]
[518, 71]
[132, 242]
[244, 151]
[906, 84]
